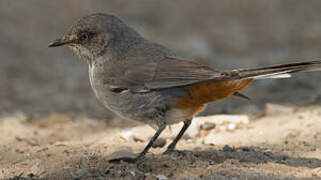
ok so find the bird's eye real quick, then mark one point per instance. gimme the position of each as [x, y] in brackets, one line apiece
[83, 37]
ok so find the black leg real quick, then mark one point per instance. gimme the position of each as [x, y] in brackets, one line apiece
[171, 147]
[150, 143]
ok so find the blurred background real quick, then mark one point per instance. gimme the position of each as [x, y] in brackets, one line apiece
[37, 80]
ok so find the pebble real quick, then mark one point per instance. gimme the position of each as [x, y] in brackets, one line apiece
[121, 155]
[227, 148]
[137, 139]
[130, 136]
[35, 171]
[231, 127]
[316, 171]
[159, 143]
[126, 135]
[161, 177]
[207, 126]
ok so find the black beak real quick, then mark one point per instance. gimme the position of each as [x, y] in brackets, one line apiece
[59, 42]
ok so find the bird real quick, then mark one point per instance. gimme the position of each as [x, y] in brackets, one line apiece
[144, 81]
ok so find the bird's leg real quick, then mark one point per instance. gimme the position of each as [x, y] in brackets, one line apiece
[150, 143]
[171, 147]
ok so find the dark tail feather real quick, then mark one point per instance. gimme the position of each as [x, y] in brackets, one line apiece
[241, 95]
[278, 71]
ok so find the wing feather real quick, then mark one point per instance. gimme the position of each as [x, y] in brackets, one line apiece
[167, 73]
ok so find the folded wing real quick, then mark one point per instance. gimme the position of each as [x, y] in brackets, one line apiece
[166, 74]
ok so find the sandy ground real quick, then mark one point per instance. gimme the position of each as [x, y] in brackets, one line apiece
[283, 143]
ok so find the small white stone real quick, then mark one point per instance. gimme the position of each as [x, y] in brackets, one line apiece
[132, 172]
[161, 177]
[126, 135]
[231, 127]
[207, 126]
[36, 170]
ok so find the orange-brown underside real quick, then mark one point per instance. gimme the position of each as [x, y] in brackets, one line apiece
[199, 95]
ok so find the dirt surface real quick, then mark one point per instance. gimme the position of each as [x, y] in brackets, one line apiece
[284, 143]
[52, 126]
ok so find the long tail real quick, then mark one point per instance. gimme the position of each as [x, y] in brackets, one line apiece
[278, 71]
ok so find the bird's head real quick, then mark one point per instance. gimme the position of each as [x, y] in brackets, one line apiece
[90, 36]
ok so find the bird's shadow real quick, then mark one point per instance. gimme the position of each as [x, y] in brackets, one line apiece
[96, 166]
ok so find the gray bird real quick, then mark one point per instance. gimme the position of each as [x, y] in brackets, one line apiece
[145, 81]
